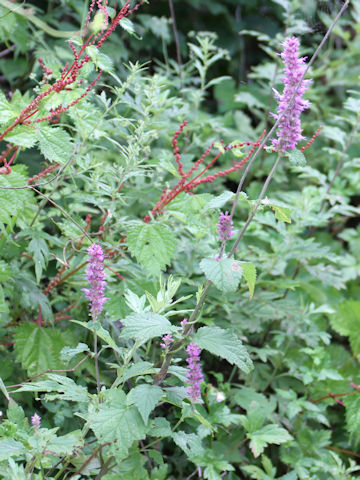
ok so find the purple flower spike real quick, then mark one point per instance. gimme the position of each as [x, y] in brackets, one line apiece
[289, 132]
[225, 227]
[36, 421]
[194, 373]
[96, 277]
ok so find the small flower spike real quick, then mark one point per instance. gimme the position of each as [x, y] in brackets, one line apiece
[194, 373]
[225, 227]
[291, 101]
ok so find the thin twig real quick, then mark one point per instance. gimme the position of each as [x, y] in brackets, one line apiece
[177, 43]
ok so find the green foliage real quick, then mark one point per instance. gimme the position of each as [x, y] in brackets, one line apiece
[279, 322]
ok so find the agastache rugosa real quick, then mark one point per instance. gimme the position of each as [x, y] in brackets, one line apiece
[96, 277]
[194, 373]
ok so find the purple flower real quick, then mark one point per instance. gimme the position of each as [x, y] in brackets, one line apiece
[289, 131]
[194, 374]
[167, 339]
[36, 421]
[225, 227]
[96, 277]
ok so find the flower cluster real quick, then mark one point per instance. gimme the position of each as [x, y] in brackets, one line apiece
[291, 103]
[194, 373]
[36, 421]
[225, 227]
[96, 277]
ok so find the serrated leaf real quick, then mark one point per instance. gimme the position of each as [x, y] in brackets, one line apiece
[67, 353]
[249, 272]
[57, 387]
[38, 348]
[296, 158]
[190, 444]
[139, 368]
[117, 421]
[225, 273]
[6, 111]
[144, 326]
[221, 200]
[160, 427]
[55, 144]
[352, 406]
[267, 435]
[335, 134]
[5, 271]
[23, 136]
[153, 245]
[145, 397]
[226, 345]
[346, 322]
[281, 213]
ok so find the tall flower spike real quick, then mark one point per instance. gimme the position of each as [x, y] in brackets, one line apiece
[194, 373]
[289, 131]
[96, 277]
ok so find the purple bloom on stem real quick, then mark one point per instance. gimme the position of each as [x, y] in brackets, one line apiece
[36, 421]
[167, 340]
[289, 131]
[194, 373]
[225, 227]
[96, 277]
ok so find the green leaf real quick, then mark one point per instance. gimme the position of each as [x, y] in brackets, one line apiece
[145, 397]
[225, 273]
[160, 427]
[335, 134]
[67, 353]
[190, 444]
[9, 448]
[153, 245]
[55, 144]
[117, 421]
[5, 271]
[226, 345]
[267, 435]
[38, 348]
[296, 158]
[144, 326]
[249, 272]
[346, 322]
[281, 213]
[138, 368]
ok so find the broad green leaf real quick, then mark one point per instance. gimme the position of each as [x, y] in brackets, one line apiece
[55, 144]
[100, 331]
[153, 245]
[144, 326]
[38, 348]
[190, 444]
[160, 427]
[346, 321]
[225, 273]
[10, 447]
[267, 435]
[296, 158]
[40, 252]
[281, 213]
[335, 134]
[115, 421]
[66, 444]
[145, 397]
[249, 272]
[226, 345]
[138, 368]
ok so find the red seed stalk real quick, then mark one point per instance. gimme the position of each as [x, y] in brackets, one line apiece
[182, 186]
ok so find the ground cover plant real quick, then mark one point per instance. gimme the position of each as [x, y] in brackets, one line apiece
[179, 240]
